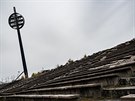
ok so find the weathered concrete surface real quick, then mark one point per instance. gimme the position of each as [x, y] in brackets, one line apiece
[87, 90]
[130, 97]
[117, 92]
[73, 97]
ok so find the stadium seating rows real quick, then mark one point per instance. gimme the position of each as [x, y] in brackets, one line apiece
[106, 68]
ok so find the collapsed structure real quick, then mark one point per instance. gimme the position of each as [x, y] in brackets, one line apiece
[107, 74]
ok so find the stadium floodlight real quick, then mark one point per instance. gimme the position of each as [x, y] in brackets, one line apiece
[16, 21]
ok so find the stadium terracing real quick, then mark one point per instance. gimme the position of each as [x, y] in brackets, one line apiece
[108, 74]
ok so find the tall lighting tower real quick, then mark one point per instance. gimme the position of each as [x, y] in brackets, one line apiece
[16, 21]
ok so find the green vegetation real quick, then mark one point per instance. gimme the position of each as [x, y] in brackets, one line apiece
[70, 61]
[85, 56]
[22, 77]
[35, 74]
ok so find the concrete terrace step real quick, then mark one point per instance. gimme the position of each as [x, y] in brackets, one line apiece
[81, 81]
[88, 90]
[120, 88]
[104, 71]
[68, 87]
[117, 92]
[130, 97]
[127, 81]
[58, 97]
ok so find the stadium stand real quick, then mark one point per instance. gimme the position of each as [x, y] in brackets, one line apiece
[107, 74]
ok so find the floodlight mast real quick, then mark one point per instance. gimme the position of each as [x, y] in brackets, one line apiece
[17, 22]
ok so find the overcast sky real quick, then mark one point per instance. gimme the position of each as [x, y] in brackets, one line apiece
[58, 30]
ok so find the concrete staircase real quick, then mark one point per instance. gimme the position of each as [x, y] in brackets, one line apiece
[106, 74]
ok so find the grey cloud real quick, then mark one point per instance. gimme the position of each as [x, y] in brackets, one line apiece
[55, 31]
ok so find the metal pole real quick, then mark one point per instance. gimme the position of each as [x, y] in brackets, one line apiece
[21, 47]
